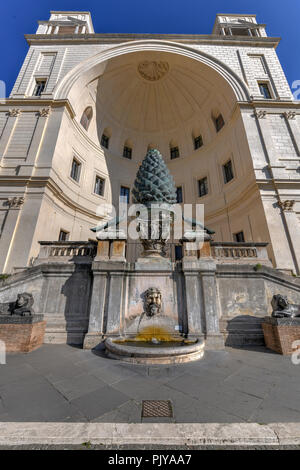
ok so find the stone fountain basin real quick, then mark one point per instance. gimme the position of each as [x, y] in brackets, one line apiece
[147, 353]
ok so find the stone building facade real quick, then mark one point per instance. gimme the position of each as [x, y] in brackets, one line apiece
[86, 107]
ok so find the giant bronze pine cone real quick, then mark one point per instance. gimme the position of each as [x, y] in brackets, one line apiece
[154, 183]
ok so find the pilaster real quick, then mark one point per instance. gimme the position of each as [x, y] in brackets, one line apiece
[290, 117]
[35, 146]
[12, 120]
[292, 223]
[14, 205]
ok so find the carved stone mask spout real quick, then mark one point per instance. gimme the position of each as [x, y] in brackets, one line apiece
[153, 302]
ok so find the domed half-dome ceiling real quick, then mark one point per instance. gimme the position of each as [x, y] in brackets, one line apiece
[150, 92]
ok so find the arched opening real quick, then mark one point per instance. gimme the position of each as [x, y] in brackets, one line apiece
[165, 96]
[86, 117]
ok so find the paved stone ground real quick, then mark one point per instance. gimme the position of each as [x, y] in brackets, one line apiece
[59, 383]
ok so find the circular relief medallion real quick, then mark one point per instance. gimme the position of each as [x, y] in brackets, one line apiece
[152, 70]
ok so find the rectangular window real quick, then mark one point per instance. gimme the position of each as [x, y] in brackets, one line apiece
[63, 236]
[265, 91]
[202, 187]
[105, 141]
[127, 152]
[40, 85]
[125, 192]
[228, 172]
[198, 142]
[179, 194]
[75, 170]
[174, 152]
[99, 186]
[239, 237]
[219, 122]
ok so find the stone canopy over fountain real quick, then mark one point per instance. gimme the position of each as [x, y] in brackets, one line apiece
[155, 329]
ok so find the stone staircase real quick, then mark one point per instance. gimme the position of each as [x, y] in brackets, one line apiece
[242, 331]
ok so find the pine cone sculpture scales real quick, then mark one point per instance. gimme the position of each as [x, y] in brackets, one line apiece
[154, 182]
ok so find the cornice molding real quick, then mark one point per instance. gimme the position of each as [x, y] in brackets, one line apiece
[49, 183]
[181, 38]
[61, 196]
[245, 196]
[39, 105]
[290, 109]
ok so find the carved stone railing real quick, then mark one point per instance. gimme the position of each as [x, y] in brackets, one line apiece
[66, 251]
[80, 252]
[247, 253]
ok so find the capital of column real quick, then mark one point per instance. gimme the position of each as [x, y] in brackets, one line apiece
[15, 202]
[15, 112]
[45, 112]
[290, 115]
[260, 113]
[287, 206]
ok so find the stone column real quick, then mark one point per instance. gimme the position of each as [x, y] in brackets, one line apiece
[14, 205]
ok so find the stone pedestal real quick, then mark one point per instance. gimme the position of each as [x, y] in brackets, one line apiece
[103, 249]
[201, 301]
[22, 334]
[205, 251]
[106, 301]
[280, 334]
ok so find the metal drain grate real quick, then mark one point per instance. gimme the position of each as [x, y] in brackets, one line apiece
[157, 409]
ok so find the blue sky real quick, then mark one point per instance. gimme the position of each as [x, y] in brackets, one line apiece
[149, 16]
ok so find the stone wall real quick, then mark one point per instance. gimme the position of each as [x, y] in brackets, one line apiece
[248, 290]
[77, 298]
